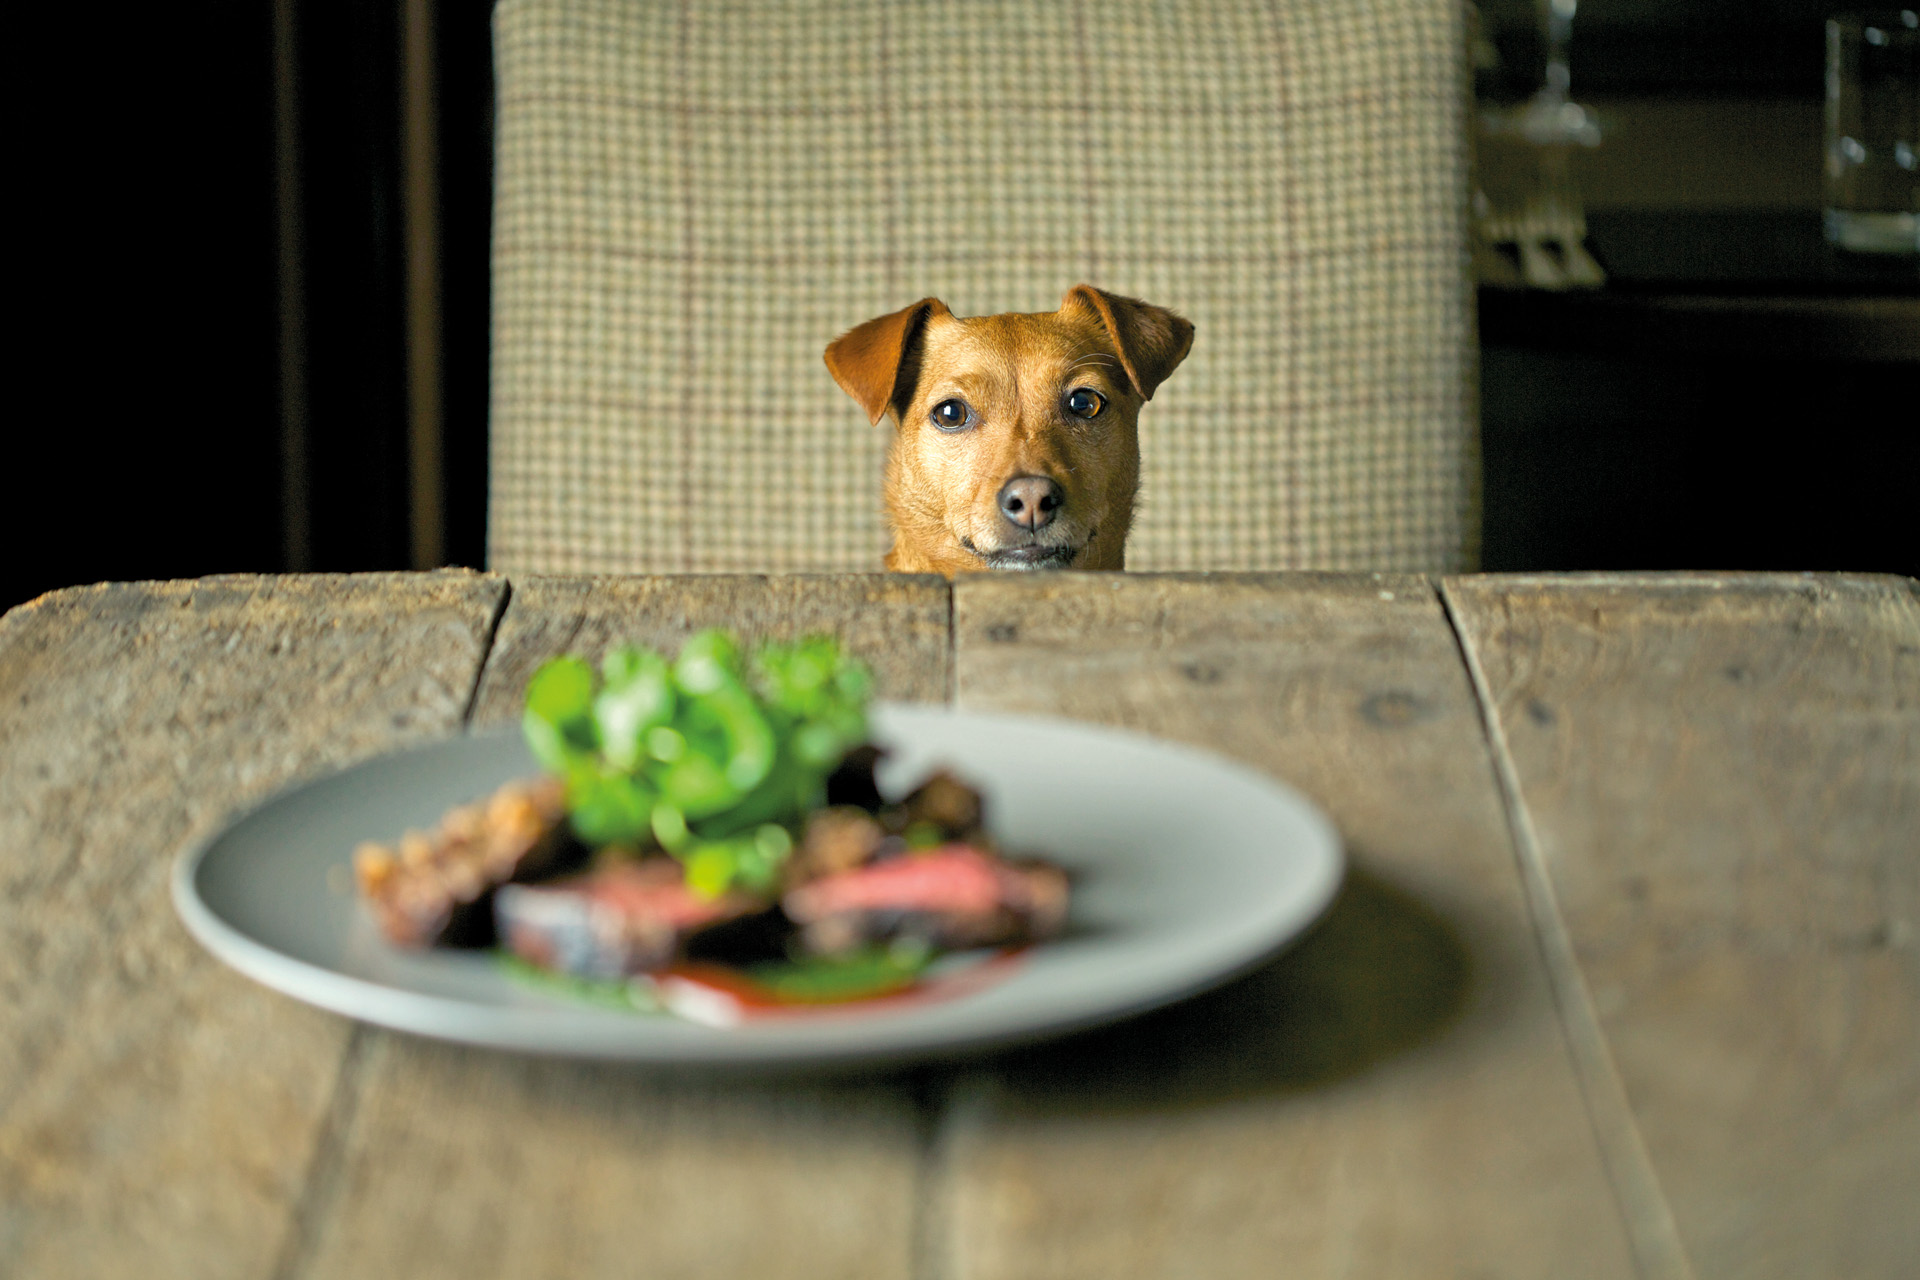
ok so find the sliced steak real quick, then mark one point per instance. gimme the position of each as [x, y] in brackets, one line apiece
[952, 896]
[436, 888]
[944, 803]
[623, 919]
[836, 839]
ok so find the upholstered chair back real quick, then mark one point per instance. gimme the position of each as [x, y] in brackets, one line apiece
[693, 199]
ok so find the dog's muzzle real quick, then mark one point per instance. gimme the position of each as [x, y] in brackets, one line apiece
[1032, 556]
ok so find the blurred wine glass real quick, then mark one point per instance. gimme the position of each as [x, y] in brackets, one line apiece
[1872, 185]
[1530, 224]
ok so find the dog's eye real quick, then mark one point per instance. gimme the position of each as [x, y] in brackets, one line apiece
[952, 415]
[1085, 403]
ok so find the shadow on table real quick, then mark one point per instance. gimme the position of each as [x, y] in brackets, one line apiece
[1380, 974]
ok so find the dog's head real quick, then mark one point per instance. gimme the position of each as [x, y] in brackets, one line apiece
[1015, 443]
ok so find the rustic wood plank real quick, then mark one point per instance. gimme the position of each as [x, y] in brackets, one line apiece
[898, 623]
[464, 1164]
[470, 1164]
[1723, 775]
[159, 1113]
[1394, 1096]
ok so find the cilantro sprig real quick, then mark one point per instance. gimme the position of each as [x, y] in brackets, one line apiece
[717, 756]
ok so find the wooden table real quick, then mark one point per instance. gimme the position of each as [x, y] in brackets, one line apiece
[1624, 982]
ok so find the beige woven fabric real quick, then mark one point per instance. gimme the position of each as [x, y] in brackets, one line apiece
[693, 199]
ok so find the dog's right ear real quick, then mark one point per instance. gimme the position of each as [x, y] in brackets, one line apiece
[1151, 341]
[867, 360]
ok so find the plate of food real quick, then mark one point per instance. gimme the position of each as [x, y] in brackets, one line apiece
[734, 857]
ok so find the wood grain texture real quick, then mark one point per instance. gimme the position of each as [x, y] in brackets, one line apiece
[898, 623]
[465, 1164]
[158, 1113]
[1724, 775]
[1394, 1096]
[470, 1164]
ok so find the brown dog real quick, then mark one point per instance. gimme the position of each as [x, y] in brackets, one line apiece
[1015, 443]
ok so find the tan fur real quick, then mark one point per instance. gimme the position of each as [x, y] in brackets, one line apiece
[1015, 371]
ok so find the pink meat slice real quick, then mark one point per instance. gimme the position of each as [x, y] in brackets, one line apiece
[952, 896]
[609, 923]
[954, 877]
[668, 901]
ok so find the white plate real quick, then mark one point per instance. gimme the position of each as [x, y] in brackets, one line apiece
[1188, 869]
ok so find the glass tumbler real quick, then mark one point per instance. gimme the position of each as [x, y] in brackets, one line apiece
[1873, 131]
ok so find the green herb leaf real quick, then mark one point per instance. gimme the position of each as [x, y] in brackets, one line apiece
[711, 868]
[715, 757]
[609, 808]
[862, 974]
[561, 690]
[557, 722]
[637, 698]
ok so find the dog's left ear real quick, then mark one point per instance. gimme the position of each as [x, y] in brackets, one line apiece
[1152, 341]
[867, 360]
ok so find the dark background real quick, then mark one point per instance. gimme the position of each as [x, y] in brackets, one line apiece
[215, 292]
[214, 281]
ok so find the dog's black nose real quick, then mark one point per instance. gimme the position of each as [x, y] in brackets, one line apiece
[1030, 501]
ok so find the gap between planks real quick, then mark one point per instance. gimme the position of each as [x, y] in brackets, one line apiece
[938, 1094]
[933, 1093]
[1657, 1249]
[320, 1188]
[486, 652]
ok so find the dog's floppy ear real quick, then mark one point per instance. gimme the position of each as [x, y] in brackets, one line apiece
[1152, 341]
[866, 360]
